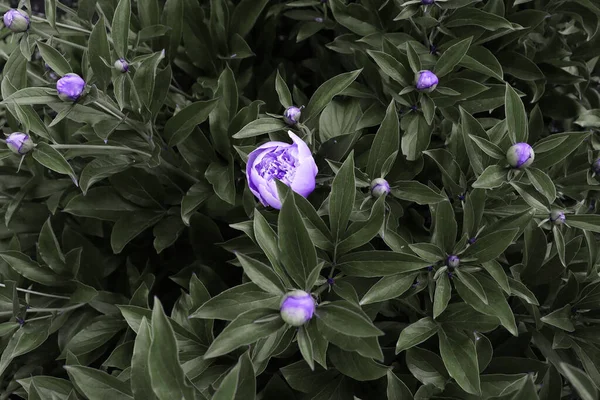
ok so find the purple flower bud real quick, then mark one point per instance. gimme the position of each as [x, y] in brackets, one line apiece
[379, 187]
[291, 115]
[19, 143]
[70, 87]
[472, 240]
[452, 261]
[557, 217]
[520, 155]
[292, 164]
[16, 20]
[122, 65]
[318, 19]
[297, 307]
[596, 166]
[427, 2]
[426, 81]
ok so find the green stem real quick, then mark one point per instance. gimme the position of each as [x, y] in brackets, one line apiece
[50, 310]
[99, 147]
[54, 296]
[65, 42]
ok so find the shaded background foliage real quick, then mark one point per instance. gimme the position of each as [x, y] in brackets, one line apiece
[136, 264]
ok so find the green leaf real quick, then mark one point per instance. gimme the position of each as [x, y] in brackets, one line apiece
[260, 126]
[416, 333]
[416, 137]
[98, 51]
[29, 269]
[386, 142]
[460, 358]
[417, 192]
[443, 292]
[346, 318]
[262, 275]
[427, 367]
[181, 125]
[491, 246]
[145, 78]
[93, 336]
[239, 383]
[141, 385]
[193, 199]
[97, 384]
[413, 58]
[367, 347]
[221, 176]
[341, 199]
[516, 118]
[52, 159]
[560, 318]
[26, 339]
[356, 366]
[396, 389]
[470, 16]
[120, 27]
[328, 91]
[230, 303]
[580, 381]
[173, 18]
[391, 67]
[48, 386]
[306, 347]
[54, 59]
[473, 284]
[494, 176]
[166, 376]
[245, 15]
[245, 329]
[588, 222]
[470, 127]
[296, 249]
[388, 287]
[379, 263]
[361, 232]
[130, 226]
[285, 97]
[451, 57]
[542, 183]
[488, 147]
[445, 227]
[535, 199]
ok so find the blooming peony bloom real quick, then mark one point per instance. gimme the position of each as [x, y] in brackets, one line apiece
[291, 115]
[70, 87]
[379, 187]
[520, 155]
[297, 307]
[426, 81]
[292, 164]
[19, 143]
[16, 20]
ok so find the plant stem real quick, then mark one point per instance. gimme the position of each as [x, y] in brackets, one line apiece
[54, 296]
[99, 147]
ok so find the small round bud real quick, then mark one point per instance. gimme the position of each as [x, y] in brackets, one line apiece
[16, 20]
[520, 155]
[472, 240]
[379, 187]
[427, 2]
[452, 261]
[297, 307]
[596, 166]
[19, 143]
[122, 65]
[557, 217]
[70, 87]
[291, 115]
[318, 19]
[426, 81]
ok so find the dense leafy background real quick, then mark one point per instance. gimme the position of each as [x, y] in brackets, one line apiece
[136, 264]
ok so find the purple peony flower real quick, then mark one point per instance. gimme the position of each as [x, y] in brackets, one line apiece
[379, 187]
[452, 261]
[596, 167]
[122, 65]
[520, 155]
[19, 143]
[292, 164]
[426, 81]
[557, 217]
[70, 87]
[297, 307]
[291, 115]
[16, 20]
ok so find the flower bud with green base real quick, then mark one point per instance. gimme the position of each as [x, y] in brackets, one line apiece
[70, 87]
[426, 81]
[297, 307]
[379, 187]
[557, 217]
[596, 167]
[19, 143]
[452, 261]
[292, 115]
[520, 155]
[121, 65]
[427, 2]
[16, 20]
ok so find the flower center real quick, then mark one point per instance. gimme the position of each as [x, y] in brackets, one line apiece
[278, 164]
